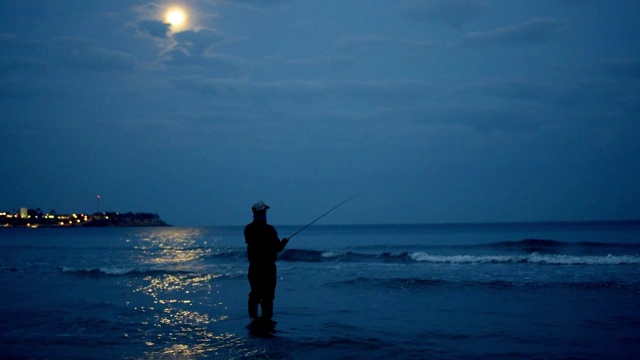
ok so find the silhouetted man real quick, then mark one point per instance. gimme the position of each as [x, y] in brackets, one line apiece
[263, 246]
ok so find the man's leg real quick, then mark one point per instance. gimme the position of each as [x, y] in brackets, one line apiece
[267, 309]
[253, 306]
[254, 295]
[269, 294]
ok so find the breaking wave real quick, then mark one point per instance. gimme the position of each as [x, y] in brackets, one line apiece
[533, 258]
[421, 283]
[118, 271]
[554, 246]
[532, 251]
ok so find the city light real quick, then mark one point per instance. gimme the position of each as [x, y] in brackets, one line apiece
[31, 218]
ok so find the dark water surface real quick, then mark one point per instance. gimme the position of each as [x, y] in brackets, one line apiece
[466, 291]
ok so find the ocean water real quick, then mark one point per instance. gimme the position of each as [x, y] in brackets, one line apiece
[465, 291]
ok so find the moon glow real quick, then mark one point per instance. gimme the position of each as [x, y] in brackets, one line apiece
[176, 17]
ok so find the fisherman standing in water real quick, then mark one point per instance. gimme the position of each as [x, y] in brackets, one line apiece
[263, 246]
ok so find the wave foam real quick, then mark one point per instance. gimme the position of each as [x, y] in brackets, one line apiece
[427, 258]
[464, 259]
[534, 258]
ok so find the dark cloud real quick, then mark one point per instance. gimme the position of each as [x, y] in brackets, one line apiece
[256, 3]
[10, 42]
[13, 46]
[622, 68]
[580, 2]
[387, 91]
[333, 62]
[403, 48]
[363, 43]
[194, 49]
[600, 95]
[351, 93]
[13, 89]
[6, 38]
[153, 28]
[10, 66]
[30, 57]
[454, 13]
[198, 41]
[376, 42]
[16, 77]
[523, 90]
[482, 118]
[223, 65]
[536, 31]
[244, 89]
[211, 87]
[87, 55]
[567, 97]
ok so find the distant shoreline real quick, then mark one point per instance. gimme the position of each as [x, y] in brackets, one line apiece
[29, 218]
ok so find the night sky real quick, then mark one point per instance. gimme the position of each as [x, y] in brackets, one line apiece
[434, 111]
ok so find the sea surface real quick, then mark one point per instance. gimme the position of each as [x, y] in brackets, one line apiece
[462, 291]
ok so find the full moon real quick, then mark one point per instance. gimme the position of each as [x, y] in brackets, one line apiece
[176, 17]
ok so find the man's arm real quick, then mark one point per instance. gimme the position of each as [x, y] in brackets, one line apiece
[282, 243]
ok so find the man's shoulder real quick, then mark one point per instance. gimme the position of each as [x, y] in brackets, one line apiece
[261, 226]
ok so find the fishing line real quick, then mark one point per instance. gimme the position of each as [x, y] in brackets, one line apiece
[321, 216]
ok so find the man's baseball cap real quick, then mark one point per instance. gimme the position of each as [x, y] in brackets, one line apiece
[259, 206]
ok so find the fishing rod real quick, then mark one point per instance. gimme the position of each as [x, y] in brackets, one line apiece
[321, 216]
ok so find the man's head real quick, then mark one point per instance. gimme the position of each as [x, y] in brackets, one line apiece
[259, 206]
